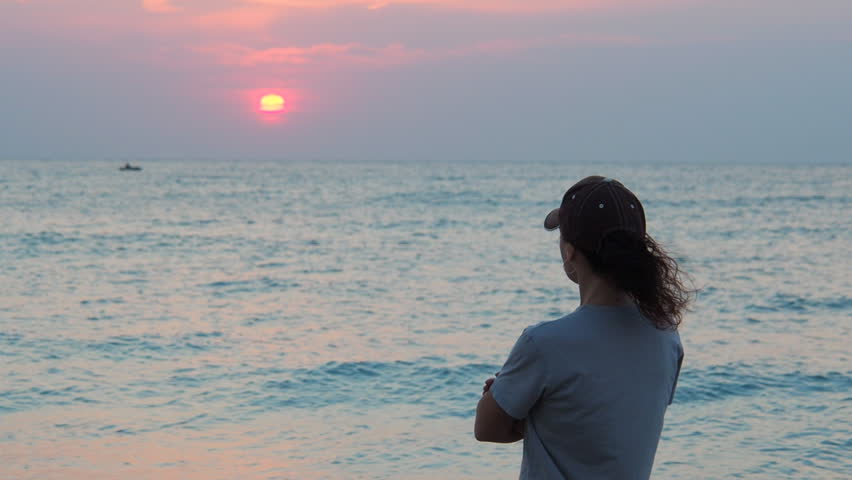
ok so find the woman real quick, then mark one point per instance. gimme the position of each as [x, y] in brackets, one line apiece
[587, 392]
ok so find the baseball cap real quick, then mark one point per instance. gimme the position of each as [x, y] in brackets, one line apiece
[592, 209]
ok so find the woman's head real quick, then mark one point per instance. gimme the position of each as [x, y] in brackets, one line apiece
[602, 230]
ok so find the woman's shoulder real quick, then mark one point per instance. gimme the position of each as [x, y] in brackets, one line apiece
[555, 327]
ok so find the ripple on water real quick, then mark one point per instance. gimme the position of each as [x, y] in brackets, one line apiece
[738, 379]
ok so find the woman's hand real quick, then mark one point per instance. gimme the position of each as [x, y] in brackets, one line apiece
[518, 427]
[487, 385]
[489, 382]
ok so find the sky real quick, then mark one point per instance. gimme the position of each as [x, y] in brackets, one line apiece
[738, 81]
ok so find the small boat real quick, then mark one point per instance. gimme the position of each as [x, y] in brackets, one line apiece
[127, 167]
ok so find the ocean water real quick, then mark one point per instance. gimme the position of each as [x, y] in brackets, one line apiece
[222, 320]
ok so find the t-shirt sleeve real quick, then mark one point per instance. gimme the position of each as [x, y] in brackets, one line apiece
[521, 381]
[677, 372]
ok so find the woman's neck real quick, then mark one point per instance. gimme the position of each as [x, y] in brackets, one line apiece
[597, 291]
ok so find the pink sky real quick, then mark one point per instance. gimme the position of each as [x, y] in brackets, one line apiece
[350, 68]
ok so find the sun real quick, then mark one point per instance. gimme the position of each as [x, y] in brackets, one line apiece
[271, 103]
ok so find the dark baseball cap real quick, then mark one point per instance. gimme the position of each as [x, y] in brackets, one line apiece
[592, 209]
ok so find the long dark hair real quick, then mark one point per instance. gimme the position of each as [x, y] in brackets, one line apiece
[641, 267]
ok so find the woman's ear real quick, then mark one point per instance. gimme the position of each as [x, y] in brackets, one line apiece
[568, 250]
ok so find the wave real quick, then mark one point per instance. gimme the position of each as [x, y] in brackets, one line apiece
[383, 383]
[785, 302]
[720, 382]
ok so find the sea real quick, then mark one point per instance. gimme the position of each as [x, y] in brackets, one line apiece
[336, 320]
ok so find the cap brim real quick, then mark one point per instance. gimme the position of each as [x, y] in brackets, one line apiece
[551, 222]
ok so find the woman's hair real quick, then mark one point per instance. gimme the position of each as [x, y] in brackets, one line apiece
[641, 267]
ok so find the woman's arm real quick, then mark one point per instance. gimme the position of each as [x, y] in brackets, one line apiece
[493, 424]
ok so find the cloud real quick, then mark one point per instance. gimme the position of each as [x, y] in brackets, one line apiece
[245, 18]
[350, 53]
[510, 46]
[159, 6]
[482, 5]
[231, 54]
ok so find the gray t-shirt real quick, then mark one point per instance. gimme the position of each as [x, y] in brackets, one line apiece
[593, 386]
